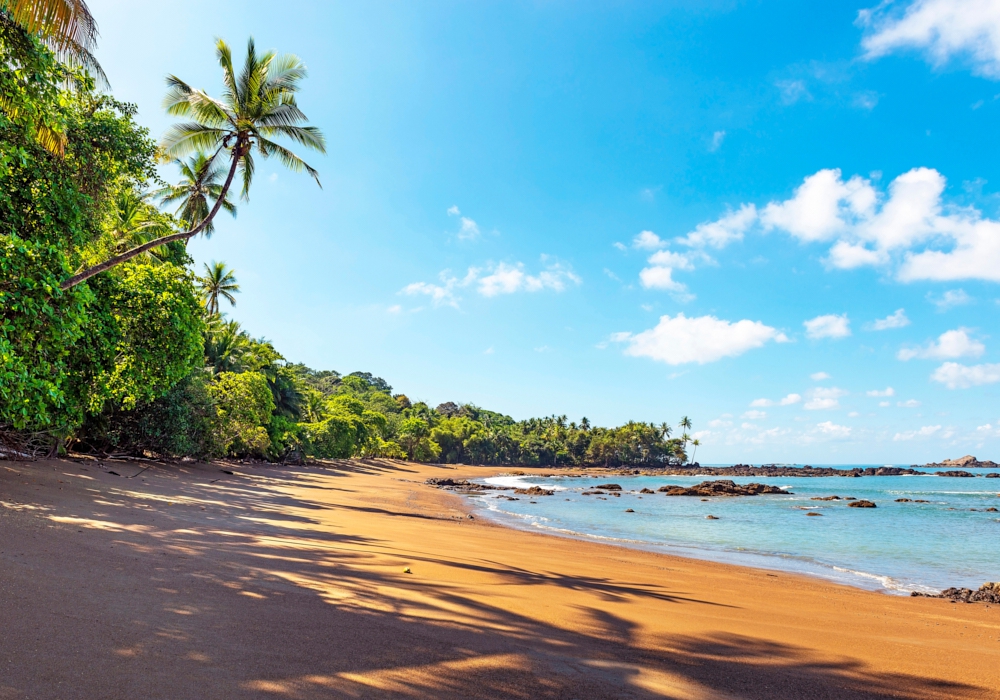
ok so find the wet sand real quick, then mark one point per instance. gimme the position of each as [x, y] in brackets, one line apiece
[186, 582]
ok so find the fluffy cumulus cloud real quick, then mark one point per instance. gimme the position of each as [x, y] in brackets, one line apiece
[723, 231]
[819, 376]
[888, 391]
[755, 415]
[494, 280]
[469, 229]
[680, 340]
[950, 299]
[828, 326]
[787, 401]
[894, 320]
[958, 376]
[647, 240]
[926, 431]
[949, 345]
[941, 29]
[824, 398]
[831, 429]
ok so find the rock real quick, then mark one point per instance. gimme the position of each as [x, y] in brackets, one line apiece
[594, 493]
[987, 593]
[609, 487]
[825, 498]
[710, 517]
[904, 500]
[861, 504]
[616, 494]
[968, 461]
[534, 491]
[647, 491]
[462, 485]
[958, 473]
[629, 510]
[921, 500]
[991, 510]
[722, 487]
[850, 498]
[992, 475]
[814, 513]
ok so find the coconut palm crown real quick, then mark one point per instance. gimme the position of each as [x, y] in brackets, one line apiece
[199, 189]
[218, 282]
[257, 106]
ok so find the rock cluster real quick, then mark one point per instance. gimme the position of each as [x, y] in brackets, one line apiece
[861, 504]
[609, 487]
[722, 487]
[534, 491]
[987, 593]
[462, 485]
[773, 470]
[968, 461]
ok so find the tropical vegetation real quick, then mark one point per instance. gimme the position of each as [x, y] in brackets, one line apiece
[111, 343]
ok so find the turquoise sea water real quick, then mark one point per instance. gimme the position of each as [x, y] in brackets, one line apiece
[896, 547]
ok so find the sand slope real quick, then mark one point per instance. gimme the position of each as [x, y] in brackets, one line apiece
[288, 583]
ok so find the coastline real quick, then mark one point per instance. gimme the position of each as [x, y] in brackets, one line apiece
[289, 582]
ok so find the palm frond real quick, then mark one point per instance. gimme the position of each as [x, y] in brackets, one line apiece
[287, 158]
[67, 24]
[188, 137]
[308, 136]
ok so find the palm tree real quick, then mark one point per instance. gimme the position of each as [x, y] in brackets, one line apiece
[133, 222]
[685, 425]
[696, 443]
[200, 188]
[257, 105]
[218, 281]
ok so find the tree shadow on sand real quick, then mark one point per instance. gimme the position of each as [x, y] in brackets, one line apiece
[255, 598]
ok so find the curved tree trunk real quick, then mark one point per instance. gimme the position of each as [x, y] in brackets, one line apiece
[139, 250]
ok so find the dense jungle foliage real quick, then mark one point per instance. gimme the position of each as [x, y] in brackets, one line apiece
[139, 360]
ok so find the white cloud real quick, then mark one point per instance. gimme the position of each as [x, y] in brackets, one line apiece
[792, 91]
[680, 340]
[619, 245]
[822, 207]
[453, 210]
[953, 297]
[823, 398]
[787, 401]
[828, 326]
[761, 403]
[956, 376]
[469, 229]
[499, 279]
[723, 231]
[926, 431]
[911, 403]
[647, 240]
[507, 279]
[755, 415]
[884, 404]
[949, 345]
[833, 430]
[853, 414]
[394, 309]
[488, 351]
[894, 320]
[790, 399]
[719, 423]
[941, 29]
[819, 376]
[888, 391]
[658, 277]
[717, 138]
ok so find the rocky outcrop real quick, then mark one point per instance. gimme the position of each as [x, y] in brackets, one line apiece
[987, 593]
[772, 470]
[609, 487]
[534, 491]
[861, 504]
[462, 485]
[968, 461]
[958, 472]
[722, 487]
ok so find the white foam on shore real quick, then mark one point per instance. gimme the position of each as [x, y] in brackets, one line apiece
[520, 482]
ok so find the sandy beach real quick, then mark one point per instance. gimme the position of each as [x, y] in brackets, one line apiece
[184, 581]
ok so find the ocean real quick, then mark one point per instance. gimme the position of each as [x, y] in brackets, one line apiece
[896, 547]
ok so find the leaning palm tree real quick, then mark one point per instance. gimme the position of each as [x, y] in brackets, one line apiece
[218, 282]
[257, 106]
[199, 189]
[133, 222]
[696, 443]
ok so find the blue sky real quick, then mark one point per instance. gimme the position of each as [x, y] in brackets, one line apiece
[778, 218]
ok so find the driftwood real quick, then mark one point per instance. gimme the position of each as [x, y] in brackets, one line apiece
[20, 446]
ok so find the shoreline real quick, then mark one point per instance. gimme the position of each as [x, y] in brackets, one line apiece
[292, 582]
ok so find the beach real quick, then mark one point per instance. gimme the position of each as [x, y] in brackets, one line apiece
[358, 580]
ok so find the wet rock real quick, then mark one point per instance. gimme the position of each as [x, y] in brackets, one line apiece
[861, 504]
[921, 500]
[710, 517]
[722, 487]
[534, 491]
[958, 473]
[629, 510]
[609, 487]
[594, 493]
[850, 498]
[992, 475]
[647, 491]
[904, 500]
[462, 485]
[968, 461]
[814, 513]
[825, 498]
[987, 593]
[991, 510]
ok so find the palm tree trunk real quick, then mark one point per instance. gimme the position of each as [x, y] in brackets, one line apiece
[139, 250]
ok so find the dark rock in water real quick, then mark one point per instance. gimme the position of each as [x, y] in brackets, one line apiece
[462, 485]
[609, 487]
[722, 487]
[813, 513]
[921, 500]
[616, 494]
[992, 475]
[825, 498]
[968, 461]
[850, 498]
[861, 504]
[955, 473]
[710, 517]
[987, 593]
[594, 493]
[904, 500]
[647, 491]
[991, 510]
[535, 491]
[629, 510]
